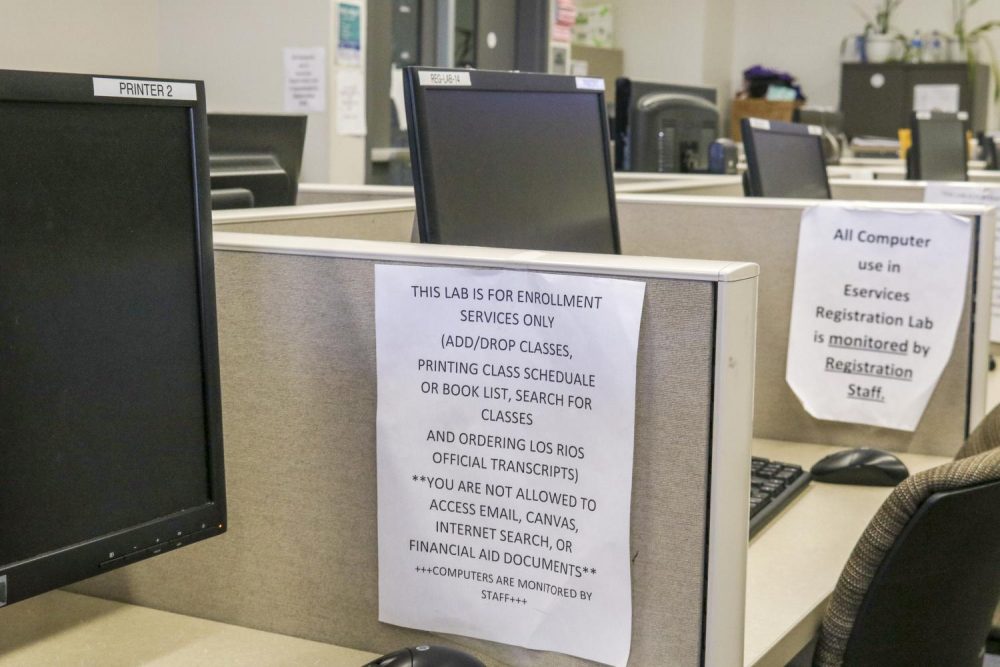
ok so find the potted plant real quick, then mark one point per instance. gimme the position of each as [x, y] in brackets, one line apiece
[880, 39]
[968, 40]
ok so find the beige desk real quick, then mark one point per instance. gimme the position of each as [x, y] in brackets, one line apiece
[67, 629]
[794, 563]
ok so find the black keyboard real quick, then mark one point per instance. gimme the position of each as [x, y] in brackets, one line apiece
[772, 485]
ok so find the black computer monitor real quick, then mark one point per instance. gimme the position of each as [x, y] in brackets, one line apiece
[258, 152]
[988, 146]
[784, 160]
[663, 127]
[511, 160]
[832, 122]
[110, 425]
[939, 151]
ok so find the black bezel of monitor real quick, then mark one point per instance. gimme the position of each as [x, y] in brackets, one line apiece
[74, 562]
[748, 129]
[280, 135]
[490, 81]
[914, 164]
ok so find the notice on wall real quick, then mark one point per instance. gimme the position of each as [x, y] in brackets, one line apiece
[506, 415]
[397, 95]
[351, 102]
[941, 192]
[936, 97]
[348, 33]
[878, 299]
[305, 80]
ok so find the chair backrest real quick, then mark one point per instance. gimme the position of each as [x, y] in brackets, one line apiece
[923, 581]
[985, 437]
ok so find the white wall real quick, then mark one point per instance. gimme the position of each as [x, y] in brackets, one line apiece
[661, 39]
[711, 42]
[236, 46]
[96, 36]
[804, 37]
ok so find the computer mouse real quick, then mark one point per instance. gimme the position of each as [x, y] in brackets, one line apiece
[862, 466]
[426, 656]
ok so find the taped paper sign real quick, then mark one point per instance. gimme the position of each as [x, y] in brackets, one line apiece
[506, 416]
[878, 298]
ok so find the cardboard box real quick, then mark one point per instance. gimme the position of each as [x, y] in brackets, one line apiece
[758, 108]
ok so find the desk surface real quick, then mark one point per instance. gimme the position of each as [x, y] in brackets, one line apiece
[61, 628]
[793, 566]
[794, 563]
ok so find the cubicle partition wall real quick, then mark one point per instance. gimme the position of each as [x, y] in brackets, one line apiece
[325, 193]
[297, 343]
[694, 184]
[847, 189]
[731, 186]
[390, 220]
[622, 177]
[766, 231]
[710, 186]
[899, 173]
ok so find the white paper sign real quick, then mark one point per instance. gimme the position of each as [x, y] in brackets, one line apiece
[942, 192]
[878, 298]
[349, 33]
[506, 414]
[936, 97]
[351, 102]
[305, 80]
[397, 94]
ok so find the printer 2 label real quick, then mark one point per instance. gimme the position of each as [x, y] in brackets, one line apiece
[137, 88]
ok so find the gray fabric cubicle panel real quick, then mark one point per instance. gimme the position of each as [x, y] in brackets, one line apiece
[299, 397]
[890, 191]
[378, 226]
[332, 197]
[769, 236]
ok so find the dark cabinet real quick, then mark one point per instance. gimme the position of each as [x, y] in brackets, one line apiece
[877, 99]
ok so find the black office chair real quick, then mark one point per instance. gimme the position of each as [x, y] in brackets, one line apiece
[923, 581]
[985, 437]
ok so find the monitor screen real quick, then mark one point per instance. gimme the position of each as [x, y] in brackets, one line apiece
[784, 159]
[239, 144]
[109, 399]
[988, 143]
[939, 151]
[511, 160]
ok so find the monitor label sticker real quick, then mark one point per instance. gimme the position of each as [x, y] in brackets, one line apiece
[505, 435]
[444, 78]
[815, 130]
[589, 83]
[150, 90]
[760, 124]
[872, 327]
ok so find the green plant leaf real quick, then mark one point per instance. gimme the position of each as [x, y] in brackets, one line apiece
[983, 28]
[994, 69]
